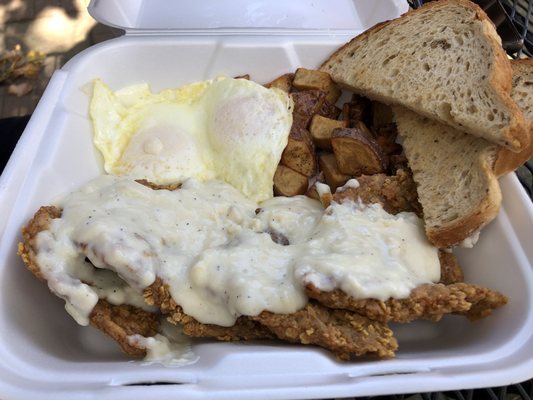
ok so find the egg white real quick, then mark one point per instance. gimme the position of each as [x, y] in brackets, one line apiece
[248, 127]
[229, 129]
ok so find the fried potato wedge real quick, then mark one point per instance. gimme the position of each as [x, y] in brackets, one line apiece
[288, 182]
[299, 154]
[308, 79]
[329, 110]
[357, 152]
[321, 129]
[358, 109]
[381, 114]
[306, 104]
[283, 82]
[334, 177]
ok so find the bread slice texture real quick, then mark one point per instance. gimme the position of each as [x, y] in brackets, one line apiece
[522, 94]
[453, 171]
[443, 60]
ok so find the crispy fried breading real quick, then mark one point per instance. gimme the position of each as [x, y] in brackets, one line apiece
[40, 222]
[395, 193]
[450, 270]
[346, 334]
[120, 321]
[155, 186]
[429, 301]
[116, 321]
[243, 329]
[483, 301]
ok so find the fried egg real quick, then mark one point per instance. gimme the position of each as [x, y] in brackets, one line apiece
[229, 129]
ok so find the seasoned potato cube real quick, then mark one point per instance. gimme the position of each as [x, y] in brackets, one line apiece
[283, 82]
[306, 79]
[321, 129]
[306, 104]
[357, 152]
[358, 109]
[299, 154]
[381, 114]
[388, 131]
[288, 182]
[334, 177]
[329, 110]
[389, 148]
[386, 137]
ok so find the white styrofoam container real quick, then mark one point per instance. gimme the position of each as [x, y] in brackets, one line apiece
[45, 355]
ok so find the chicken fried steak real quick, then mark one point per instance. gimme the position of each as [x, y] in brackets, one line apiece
[334, 320]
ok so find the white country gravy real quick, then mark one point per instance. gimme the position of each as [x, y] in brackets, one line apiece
[170, 347]
[221, 254]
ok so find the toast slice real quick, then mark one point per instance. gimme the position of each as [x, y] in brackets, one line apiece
[453, 171]
[522, 94]
[443, 60]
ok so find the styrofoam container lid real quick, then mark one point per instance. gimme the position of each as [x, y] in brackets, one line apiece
[214, 17]
[44, 354]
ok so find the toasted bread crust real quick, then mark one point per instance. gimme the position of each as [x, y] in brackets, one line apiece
[462, 228]
[501, 77]
[506, 160]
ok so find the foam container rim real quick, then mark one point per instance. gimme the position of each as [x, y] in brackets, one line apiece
[44, 353]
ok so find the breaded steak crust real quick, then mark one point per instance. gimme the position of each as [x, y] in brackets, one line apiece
[344, 333]
[116, 321]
